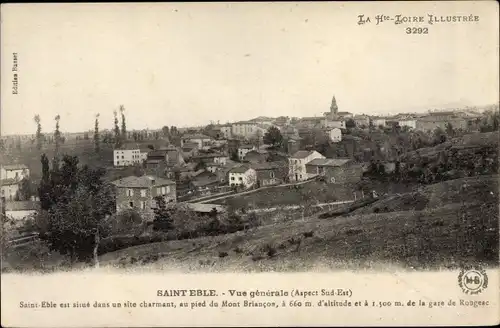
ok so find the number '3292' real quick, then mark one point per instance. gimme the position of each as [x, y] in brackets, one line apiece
[417, 30]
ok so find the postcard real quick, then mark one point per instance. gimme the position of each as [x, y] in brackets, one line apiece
[250, 164]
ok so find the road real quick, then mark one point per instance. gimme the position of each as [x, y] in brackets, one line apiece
[294, 207]
[224, 196]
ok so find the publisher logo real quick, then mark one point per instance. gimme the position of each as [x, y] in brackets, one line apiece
[472, 280]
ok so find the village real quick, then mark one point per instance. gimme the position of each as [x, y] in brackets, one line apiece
[261, 166]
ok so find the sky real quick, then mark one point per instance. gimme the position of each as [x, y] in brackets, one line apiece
[192, 63]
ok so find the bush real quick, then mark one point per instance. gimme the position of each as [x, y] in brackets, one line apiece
[223, 254]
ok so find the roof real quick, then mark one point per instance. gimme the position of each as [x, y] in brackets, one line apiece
[158, 153]
[195, 136]
[141, 182]
[302, 153]
[329, 161]
[204, 181]
[190, 145]
[343, 113]
[153, 161]
[268, 166]
[205, 208]
[8, 182]
[208, 155]
[239, 169]
[247, 146]
[10, 167]
[22, 206]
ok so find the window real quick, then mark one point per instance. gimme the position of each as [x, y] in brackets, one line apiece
[17, 175]
[232, 178]
[167, 190]
[143, 205]
[163, 190]
[241, 179]
[130, 192]
[143, 192]
[131, 204]
[123, 157]
[271, 174]
[158, 191]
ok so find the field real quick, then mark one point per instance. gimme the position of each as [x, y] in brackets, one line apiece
[311, 192]
[443, 233]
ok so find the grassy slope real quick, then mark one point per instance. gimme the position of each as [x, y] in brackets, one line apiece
[440, 235]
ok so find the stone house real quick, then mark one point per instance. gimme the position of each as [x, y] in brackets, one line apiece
[334, 135]
[242, 176]
[335, 170]
[256, 156]
[297, 164]
[139, 193]
[14, 171]
[270, 173]
[201, 140]
[243, 150]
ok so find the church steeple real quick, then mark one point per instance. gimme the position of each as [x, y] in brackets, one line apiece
[333, 107]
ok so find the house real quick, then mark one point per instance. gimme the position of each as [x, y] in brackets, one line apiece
[189, 149]
[127, 157]
[245, 129]
[208, 158]
[378, 121]
[9, 188]
[243, 150]
[21, 210]
[292, 146]
[242, 176]
[263, 120]
[201, 140]
[225, 130]
[170, 155]
[213, 167]
[139, 193]
[205, 183]
[441, 120]
[335, 170]
[14, 171]
[335, 134]
[345, 114]
[362, 120]
[270, 173]
[297, 164]
[309, 122]
[289, 132]
[256, 156]
[411, 123]
[333, 123]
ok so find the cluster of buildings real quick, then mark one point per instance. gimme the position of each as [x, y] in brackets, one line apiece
[233, 156]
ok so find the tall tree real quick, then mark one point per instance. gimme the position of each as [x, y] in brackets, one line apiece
[97, 145]
[166, 131]
[38, 132]
[124, 126]
[273, 137]
[117, 131]
[76, 205]
[57, 135]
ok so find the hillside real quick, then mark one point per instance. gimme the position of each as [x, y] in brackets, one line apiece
[475, 140]
[433, 232]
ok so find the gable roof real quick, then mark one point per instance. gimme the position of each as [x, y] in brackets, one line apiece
[239, 169]
[141, 182]
[329, 161]
[302, 153]
[195, 136]
[22, 206]
[10, 167]
[268, 166]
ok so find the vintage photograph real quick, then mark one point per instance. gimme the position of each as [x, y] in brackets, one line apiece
[233, 137]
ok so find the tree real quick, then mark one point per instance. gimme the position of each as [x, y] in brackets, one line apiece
[449, 129]
[166, 131]
[76, 206]
[38, 132]
[57, 135]
[26, 189]
[273, 137]
[350, 123]
[163, 220]
[439, 136]
[117, 131]
[124, 126]
[97, 146]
